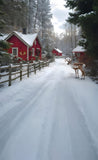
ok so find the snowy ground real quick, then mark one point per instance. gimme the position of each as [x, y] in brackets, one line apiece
[49, 116]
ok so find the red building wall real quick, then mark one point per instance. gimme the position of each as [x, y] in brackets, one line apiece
[22, 48]
[60, 54]
[56, 53]
[79, 55]
[82, 57]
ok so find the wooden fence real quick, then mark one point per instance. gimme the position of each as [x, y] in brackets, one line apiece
[13, 72]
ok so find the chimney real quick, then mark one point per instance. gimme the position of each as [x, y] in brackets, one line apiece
[24, 31]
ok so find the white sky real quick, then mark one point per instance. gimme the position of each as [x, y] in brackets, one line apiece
[60, 14]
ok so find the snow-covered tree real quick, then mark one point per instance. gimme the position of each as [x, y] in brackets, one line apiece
[45, 24]
[14, 15]
[31, 16]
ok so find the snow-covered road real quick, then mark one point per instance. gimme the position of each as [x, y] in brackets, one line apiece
[50, 116]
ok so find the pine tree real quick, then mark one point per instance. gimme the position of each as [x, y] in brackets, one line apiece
[15, 15]
[45, 24]
[1, 14]
[3, 45]
[86, 15]
[32, 9]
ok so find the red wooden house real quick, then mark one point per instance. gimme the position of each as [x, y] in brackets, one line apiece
[25, 46]
[79, 53]
[57, 52]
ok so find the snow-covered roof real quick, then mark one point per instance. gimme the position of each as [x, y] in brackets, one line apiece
[79, 49]
[3, 37]
[58, 50]
[27, 38]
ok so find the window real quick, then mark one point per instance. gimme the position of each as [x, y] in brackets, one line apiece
[33, 51]
[15, 51]
[78, 54]
[73, 53]
[37, 51]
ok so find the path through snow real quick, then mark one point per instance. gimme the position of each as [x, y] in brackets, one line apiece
[50, 116]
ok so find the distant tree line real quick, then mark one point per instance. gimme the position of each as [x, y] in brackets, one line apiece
[67, 40]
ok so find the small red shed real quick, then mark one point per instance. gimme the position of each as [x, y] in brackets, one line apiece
[57, 52]
[25, 46]
[79, 53]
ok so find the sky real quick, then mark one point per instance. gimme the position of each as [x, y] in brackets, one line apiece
[60, 14]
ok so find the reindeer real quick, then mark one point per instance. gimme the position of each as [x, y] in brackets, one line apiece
[68, 60]
[77, 66]
[76, 69]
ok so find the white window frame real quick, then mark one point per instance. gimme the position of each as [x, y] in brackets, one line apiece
[33, 51]
[17, 51]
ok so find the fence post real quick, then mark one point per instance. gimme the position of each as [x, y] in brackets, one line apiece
[39, 66]
[0, 72]
[20, 71]
[47, 63]
[34, 68]
[43, 64]
[10, 70]
[28, 69]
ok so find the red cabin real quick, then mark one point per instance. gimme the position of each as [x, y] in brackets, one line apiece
[79, 53]
[25, 46]
[57, 52]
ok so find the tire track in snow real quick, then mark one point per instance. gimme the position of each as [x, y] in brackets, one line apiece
[15, 96]
[60, 142]
[55, 132]
[48, 119]
[68, 135]
[82, 142]
[10, 121]
[84, 105]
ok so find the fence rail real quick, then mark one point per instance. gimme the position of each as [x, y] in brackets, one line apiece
[12, 72]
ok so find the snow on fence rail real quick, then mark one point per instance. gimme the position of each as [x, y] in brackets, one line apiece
[12, 72]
